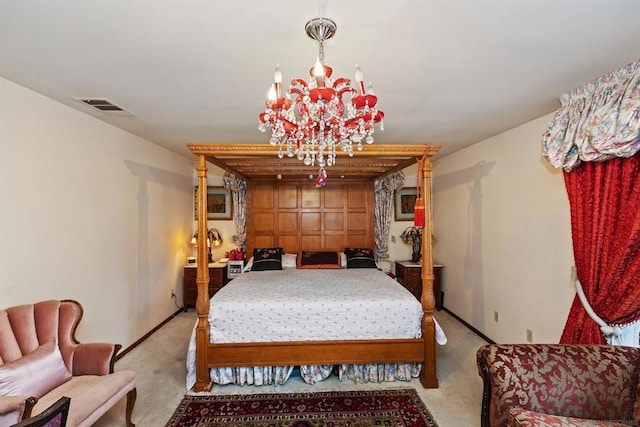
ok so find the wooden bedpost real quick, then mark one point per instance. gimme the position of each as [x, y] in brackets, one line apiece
[428, 375]
[203, 382]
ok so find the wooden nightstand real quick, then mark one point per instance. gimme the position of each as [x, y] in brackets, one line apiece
[217, 279]
[409, 275]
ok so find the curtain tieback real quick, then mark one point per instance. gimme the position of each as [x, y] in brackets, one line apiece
[612, 332]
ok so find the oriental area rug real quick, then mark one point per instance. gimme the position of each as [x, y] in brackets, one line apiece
[323, 409]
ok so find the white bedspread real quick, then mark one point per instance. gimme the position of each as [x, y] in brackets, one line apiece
[302, 305]
[311, 304]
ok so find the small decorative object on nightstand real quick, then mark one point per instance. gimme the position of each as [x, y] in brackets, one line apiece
[413, 236]
[217, 279]
[234, 268]
[409, 275]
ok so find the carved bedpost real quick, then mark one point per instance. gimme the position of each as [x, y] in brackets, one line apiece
[428, 375]
[203, 382]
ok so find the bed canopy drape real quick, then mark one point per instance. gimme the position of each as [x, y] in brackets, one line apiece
[238, 188]
[384, 190]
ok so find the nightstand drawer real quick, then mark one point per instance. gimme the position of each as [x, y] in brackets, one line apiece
[413, 273]
[217, 278]
[409, 275]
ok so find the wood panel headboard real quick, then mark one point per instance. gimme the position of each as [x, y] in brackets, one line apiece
[298, 216]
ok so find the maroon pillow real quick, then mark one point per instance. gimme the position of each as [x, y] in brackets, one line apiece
[322, 259]
[34, 374]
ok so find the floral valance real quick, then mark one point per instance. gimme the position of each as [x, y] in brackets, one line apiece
[598, 121]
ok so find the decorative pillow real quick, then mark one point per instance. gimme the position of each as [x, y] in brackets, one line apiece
[267, 259]
[34, 374]
[360, 258]
[319, 260]
[289, 260]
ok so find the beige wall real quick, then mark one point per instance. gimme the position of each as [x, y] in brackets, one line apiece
[502, 224]
[92, 213]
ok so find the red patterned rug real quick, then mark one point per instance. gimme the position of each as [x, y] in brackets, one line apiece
[324, 409]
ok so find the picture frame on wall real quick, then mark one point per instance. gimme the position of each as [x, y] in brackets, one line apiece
[405, 200]
[219, 203]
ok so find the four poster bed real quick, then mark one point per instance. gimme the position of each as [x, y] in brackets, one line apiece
[287, 211]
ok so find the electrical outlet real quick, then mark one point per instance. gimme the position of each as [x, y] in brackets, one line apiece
[173, 293]
[529, 335]
[496, 316]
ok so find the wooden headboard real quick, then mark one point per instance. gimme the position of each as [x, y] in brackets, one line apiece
[298, 216]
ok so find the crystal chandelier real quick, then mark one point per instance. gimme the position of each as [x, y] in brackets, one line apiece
[317, 116]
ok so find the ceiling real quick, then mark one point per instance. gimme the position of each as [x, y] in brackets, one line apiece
[448, 72]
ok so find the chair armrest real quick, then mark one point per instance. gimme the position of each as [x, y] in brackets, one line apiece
[15, 408]
[94, 358]
[583, 381]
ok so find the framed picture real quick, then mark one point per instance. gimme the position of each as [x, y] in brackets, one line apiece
[219, 203]
[404, 203]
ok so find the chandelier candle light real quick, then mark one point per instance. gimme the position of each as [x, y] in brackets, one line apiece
[312, 119]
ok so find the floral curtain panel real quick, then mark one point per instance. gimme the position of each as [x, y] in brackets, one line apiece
[238, 188]
[384, 189]
[598, 121]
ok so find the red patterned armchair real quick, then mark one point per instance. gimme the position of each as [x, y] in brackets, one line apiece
[559, 385]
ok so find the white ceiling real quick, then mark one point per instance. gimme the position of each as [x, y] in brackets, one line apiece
[449, 72]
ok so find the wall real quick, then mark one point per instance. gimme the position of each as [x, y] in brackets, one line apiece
[92, 213]
[502, 227]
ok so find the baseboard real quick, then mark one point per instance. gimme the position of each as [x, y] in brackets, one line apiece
[471, 328]
[147, 335]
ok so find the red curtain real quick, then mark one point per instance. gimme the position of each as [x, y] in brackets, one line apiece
[605, 226]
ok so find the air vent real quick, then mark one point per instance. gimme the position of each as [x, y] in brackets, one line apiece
[105, 106]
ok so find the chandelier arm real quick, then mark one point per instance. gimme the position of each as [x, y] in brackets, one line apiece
[299, 82]
[342, 81]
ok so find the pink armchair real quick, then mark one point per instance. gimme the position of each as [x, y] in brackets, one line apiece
[559, 385]
[41, 361]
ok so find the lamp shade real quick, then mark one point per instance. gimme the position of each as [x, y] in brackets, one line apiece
[215, 237]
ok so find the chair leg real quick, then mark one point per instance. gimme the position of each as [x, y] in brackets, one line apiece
[131, 401]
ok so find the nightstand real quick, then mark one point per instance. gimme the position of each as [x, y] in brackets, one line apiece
[217, 279]
[409, 275]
